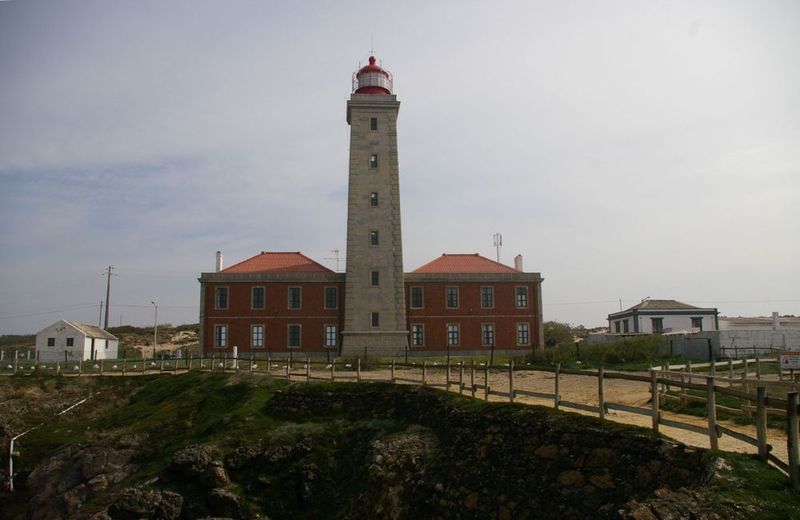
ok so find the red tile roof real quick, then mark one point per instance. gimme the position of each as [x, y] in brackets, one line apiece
[461, 263]
[273, 262]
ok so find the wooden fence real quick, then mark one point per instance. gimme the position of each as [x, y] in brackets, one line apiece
[474, 380]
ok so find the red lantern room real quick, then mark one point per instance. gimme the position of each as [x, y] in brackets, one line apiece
[372, 79]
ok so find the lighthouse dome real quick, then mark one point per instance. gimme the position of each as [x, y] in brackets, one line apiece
[372, 79]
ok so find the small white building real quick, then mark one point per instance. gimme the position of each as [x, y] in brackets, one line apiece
[661, 317]
[70, 341]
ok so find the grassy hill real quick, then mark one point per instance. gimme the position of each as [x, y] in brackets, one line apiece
[244, 446]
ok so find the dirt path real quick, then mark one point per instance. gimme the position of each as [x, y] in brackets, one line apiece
[583, 389]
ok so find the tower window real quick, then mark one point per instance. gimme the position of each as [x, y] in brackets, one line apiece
[374, 278]
[373, 199]
[376, 319]
[373, 238]
[373, 160]
[373, 123]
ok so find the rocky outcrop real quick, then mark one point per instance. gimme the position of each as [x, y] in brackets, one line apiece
[68, 479]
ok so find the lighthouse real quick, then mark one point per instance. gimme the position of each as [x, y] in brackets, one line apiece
[374, 306]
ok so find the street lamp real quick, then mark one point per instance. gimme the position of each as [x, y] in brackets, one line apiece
[155, 329]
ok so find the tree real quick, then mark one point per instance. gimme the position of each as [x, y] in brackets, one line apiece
[556, 333]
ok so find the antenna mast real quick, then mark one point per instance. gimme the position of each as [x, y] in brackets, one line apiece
[498, 241]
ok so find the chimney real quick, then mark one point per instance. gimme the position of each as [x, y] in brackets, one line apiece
[518, 262]
[219, 261]
[776, 321]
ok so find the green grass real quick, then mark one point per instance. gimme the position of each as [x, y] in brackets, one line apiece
[751, 482]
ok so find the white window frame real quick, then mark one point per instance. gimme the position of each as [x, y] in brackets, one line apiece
[299, 298]
[253, 336]
[527, 333]
[447, 300]
[223, 343]
[488, 327]
[516, 297]
[457, 331]
[327, 330]
[491, 292]
[420, 331]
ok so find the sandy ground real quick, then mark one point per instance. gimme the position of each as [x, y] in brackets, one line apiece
[583, 389]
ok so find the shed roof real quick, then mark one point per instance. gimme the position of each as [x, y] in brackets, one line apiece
[91, 330]
[662, 305]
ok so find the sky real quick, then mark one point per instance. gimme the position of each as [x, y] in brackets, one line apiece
[626, 149]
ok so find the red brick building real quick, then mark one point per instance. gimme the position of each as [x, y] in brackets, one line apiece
[277, 303]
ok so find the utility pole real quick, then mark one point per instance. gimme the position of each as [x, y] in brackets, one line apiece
[100, 314]
[155, 330]
[108, 293]
[498, 241]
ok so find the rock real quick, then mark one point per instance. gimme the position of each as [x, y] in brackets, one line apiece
[225, 503]
[241, 457]
[98, 483]
[170, 506]
[548, 451]
[604, 481]
[199, 462]
[74, 498]
[471, 501]
[134, 503]
[571, 478]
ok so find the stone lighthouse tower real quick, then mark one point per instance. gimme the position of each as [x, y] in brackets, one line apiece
[374, 308]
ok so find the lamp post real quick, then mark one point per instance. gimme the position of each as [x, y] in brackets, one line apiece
[155, 329]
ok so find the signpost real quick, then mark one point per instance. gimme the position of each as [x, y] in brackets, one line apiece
[790, 360]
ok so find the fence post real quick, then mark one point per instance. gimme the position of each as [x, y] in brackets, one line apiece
[690, 372]
[730, 372]
[358, 370]
[758, 367]
[511, 381]
[664, 384]
[333, 370]
[252, 358]
[683, 391]
[424, 371]
[557, 398]
[761, 422]
[123, 366]
[161, 366]
[486, 381]
[288, 367]
[601, 394]
[58, 368]
[447, 377]
[308, 369]
[269, 362]
[712, 413]
[16, 360]
[472, 379]
[746, 366]
[654, 398]
[460, 377]
[792, 440]
[101, 367]
[392, 372]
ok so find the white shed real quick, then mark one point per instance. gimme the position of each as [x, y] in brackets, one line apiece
[70, 341]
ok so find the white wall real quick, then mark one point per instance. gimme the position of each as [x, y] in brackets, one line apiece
[104, 348]
[61, 331]
[673, 322]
